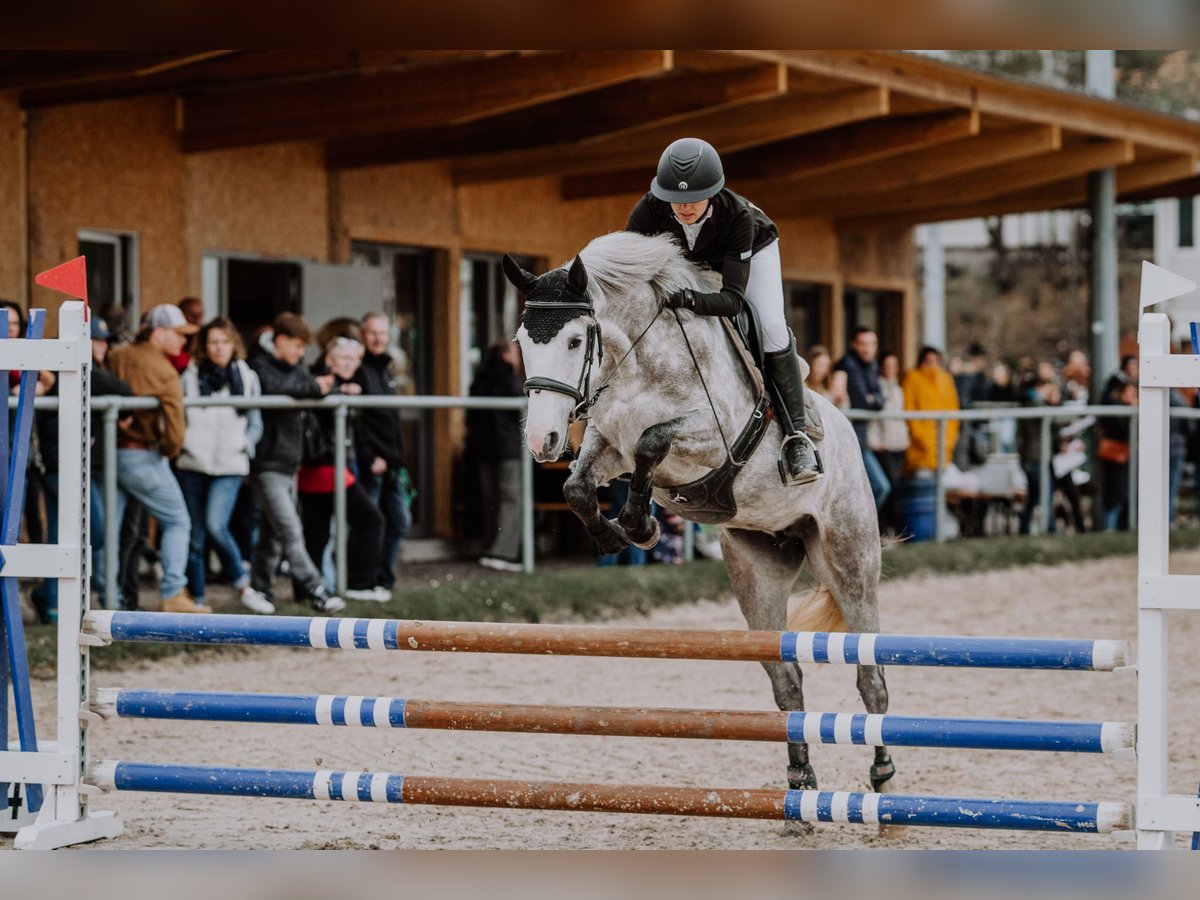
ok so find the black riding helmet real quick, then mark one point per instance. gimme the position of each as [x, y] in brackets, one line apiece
[689, 170]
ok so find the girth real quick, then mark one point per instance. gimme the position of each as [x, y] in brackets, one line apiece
[710, 499]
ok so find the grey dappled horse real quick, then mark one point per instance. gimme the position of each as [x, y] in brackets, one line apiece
[597, 342]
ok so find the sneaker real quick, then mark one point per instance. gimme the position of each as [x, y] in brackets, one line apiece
[327, 603]
[376, 594]
[255, 601]
[500, 565]
[182, 603]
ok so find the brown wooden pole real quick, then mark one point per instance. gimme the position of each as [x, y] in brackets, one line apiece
[589, 640]
[621, 798]
[729, 725]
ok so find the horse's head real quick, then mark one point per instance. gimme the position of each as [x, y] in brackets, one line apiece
[559, 339]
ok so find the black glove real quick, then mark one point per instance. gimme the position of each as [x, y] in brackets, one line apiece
[684, 299]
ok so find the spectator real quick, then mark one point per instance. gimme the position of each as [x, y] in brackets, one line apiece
[341, 361]
[973, 388]
[1047, 393]
[379, 445]
[193, 310]
[821, 378]
[496, 447]
[1180, 437]
[1077, 378]
[152, 438]
[1003, 392]
[929, 387]
[277, 360]
[888, 439]
[1113, 449]
[103, 383]
[862, 385]
[217, 448]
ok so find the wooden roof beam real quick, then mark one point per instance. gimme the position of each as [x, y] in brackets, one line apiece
[943, 82]
[592, 114]
[421, 96]
[827, 151]
[964, 190]
[1136, 181]
[928, 166]
[730, 126]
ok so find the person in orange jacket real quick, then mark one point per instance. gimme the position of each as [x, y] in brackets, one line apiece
[929, 387]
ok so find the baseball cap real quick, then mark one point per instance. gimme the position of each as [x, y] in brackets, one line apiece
[100, 331]
[167, 315]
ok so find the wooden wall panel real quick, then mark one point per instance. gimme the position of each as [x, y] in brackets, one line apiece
[269, 200]
[14, 281]
[116, 166]
[410, 204]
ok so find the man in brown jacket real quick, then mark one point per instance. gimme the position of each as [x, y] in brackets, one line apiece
[152, 438]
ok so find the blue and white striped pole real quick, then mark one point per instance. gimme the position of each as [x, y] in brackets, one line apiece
[803, 806]
[808, 727]
[596, 640]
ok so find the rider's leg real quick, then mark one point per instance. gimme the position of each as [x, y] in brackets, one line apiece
[764, 291]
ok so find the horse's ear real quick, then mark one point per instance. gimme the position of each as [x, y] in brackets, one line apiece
[577, 276]
[521, 280]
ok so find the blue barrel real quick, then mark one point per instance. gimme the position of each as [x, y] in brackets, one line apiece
[918, 506]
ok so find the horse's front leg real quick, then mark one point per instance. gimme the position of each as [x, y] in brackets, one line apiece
[685, 435]
[598, 462]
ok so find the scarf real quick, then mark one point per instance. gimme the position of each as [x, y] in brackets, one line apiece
[213, 379]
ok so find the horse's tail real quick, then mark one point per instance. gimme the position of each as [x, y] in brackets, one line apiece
[816, 610]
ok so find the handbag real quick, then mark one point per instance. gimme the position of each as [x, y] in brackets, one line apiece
[1113, 451]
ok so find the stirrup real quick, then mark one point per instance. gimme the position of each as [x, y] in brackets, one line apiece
[804, 477]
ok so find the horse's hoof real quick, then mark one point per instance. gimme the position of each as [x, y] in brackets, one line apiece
[802, 779]
[883, 777]
[793, 829]
[612, 539]
[648, 542]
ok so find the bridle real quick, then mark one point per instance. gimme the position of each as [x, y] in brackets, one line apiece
[580, 392]
[583, 395]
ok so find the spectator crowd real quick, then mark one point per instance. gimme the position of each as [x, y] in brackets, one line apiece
[899, 455]
[252, 487]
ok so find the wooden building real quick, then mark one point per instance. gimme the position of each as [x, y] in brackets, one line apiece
[331, 182]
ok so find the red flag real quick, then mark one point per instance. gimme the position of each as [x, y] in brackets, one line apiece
[70, 278]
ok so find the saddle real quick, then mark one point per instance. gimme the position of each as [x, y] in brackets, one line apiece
[709, 500]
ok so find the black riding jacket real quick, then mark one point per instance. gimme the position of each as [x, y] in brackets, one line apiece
[736, 230]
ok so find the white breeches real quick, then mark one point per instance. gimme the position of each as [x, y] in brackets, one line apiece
[764, 291]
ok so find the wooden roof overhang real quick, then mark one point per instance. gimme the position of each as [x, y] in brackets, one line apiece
[879, 136]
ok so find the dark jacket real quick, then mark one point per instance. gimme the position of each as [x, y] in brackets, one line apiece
[104, 384]
[321, 452]
[736, 230]
[378, 432]
[282, 442]
[862, 385]
[495, 434]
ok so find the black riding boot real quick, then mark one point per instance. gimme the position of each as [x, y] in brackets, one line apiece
[798, 461]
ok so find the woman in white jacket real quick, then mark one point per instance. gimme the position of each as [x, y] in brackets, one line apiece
[218, 445]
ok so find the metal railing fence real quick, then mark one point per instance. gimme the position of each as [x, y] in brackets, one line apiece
[111, 409]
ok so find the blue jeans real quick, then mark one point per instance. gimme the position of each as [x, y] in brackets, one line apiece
[880, 486]
[49, 586]
[210, 500]
[389, 492]
[146, 475]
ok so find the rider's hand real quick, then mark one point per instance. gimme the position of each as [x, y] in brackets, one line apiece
[684, 299]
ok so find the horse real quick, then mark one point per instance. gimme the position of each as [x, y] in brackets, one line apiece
[672, 388]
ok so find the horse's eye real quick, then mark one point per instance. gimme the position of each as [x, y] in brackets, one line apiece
[575, 343]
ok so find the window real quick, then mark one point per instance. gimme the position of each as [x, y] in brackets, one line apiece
[112, 276]
[490, 307]
[1187, 222]
[808, 313]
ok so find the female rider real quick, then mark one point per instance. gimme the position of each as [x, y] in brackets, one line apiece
[715, 226]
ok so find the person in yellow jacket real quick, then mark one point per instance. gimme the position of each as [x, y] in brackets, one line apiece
[929, 387]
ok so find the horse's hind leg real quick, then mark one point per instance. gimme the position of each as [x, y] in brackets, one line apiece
[762, 569]
[847, 562]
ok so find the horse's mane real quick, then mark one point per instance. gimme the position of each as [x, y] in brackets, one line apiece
[621, 262]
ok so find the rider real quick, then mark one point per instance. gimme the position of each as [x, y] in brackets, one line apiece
[715, 226]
